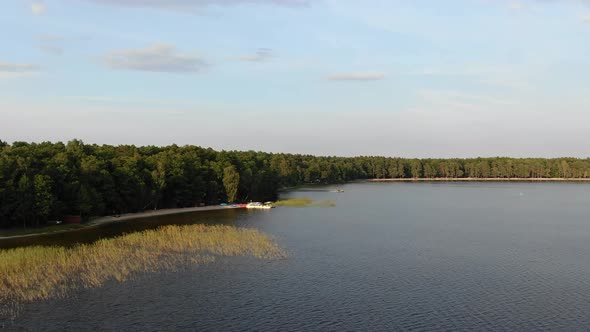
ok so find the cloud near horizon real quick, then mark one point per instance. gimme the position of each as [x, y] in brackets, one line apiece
[356, 77]
[196, 4]
[155, 58]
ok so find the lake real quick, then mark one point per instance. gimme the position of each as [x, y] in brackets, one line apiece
[389, 256]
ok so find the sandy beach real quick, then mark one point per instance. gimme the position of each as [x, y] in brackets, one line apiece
[483, 179]
[129, 216]
[162, 212]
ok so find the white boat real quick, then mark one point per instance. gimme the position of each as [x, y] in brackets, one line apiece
[258, 205]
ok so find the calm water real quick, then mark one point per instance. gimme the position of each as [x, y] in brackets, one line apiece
[398, 256]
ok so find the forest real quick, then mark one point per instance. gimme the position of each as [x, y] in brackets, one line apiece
[46, 181]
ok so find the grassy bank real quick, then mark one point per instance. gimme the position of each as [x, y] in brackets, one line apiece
[37, 273]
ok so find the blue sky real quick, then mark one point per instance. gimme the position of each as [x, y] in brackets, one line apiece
[331, 77]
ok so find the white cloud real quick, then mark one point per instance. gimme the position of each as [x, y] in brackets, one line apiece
[516, 5]
[38, 8]
[51, 44]
[586, 18]
[156, 58]
[190, 5]
[11, 70]
[356, 77]
[17, 68]
[261, 55]
[51, 49]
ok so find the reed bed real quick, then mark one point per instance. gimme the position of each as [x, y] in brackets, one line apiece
[304, 202]
[37, 273]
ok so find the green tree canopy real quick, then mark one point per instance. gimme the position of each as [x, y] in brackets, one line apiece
[44, 181]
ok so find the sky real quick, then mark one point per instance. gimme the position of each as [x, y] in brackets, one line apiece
[457, 78]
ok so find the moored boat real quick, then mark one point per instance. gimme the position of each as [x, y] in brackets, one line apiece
[258, 205]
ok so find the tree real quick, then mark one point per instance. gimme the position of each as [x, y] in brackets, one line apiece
[231, 182]
[159, 180]
[564, 169]
[416, 168]
[429, 171]
[25, 200]
[43, 198]
[42, 180]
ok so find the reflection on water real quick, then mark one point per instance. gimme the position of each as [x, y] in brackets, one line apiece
[401, 256]
[87, 235]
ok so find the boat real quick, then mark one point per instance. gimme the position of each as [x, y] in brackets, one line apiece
[337, 191]
[258, 205]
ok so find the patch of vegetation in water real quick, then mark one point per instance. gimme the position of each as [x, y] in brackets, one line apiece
[38, 273]
[304, 202]
[324, 203]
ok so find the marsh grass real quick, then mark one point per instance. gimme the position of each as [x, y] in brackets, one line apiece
[38, 273]
[304, 202]
[294, 202]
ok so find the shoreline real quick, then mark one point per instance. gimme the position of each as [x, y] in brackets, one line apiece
[163, 212]
[482, 180]
[124, 217]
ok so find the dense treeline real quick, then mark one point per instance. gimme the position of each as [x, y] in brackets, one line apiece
[45, 181]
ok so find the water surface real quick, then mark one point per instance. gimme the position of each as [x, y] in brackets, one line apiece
[389, 256]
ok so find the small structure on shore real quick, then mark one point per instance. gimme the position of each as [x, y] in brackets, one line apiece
[259, 205]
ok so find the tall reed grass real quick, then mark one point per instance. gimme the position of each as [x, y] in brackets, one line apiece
[37, 273]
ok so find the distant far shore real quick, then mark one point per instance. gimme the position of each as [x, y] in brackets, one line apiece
[483, 180]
